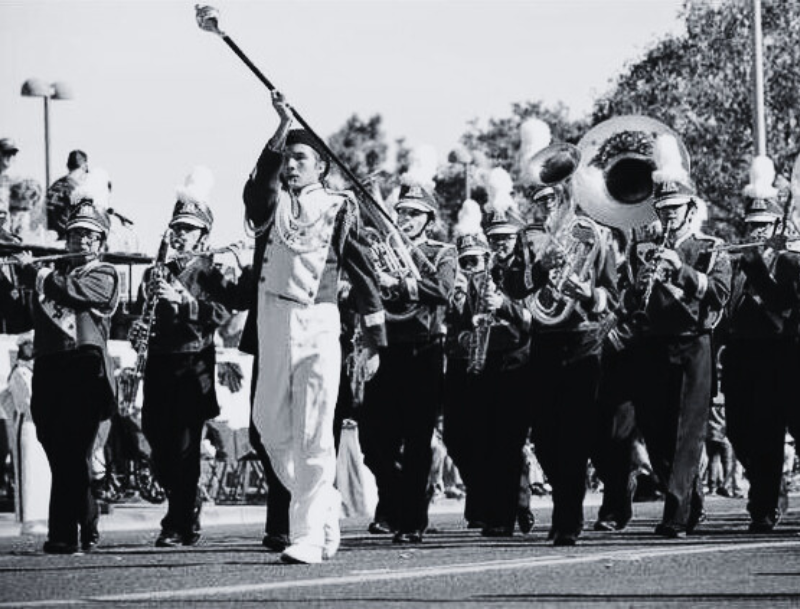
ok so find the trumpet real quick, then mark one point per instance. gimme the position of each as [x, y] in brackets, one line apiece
[738, 247]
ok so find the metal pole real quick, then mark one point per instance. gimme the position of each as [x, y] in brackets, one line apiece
[46, 142]
[467, 188]
[759, 122]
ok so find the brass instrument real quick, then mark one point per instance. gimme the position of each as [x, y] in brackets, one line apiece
[391, 257]
[146, 323]
[613, 184]
[579, 244]
[483, 320]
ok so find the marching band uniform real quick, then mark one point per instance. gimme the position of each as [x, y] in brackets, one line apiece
[761, 357]
[403, 400]
[502, 419]
[675, 360]
[564, 362]
[613, 452]
[306, 236]
[179, 379]
[73, 383]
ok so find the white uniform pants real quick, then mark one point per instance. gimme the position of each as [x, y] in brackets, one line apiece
[299, 361]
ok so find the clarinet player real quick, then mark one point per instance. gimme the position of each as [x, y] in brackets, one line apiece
[179, 389]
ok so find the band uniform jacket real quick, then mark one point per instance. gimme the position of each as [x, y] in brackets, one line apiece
[509, 336]
[688, 302]
[765, 296]
[347, 252]
[73, 306]
[428, 296]
[187, 329]
[587, 323]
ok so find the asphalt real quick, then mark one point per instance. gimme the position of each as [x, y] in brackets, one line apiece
[141, 515]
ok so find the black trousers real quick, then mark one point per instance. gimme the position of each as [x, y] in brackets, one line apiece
[278, 496]
[616, 432]
[69, 399]
[462, 434]
[757, 380]
[564, 399]
[672, 409]
[179, 396]
[503, 427]
[396, 422]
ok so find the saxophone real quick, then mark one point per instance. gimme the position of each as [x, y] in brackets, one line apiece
[130, 388]
[483, 319]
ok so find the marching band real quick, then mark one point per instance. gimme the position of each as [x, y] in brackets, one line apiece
[581, 312]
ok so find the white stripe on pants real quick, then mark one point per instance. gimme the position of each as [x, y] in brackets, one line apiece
[298, 382]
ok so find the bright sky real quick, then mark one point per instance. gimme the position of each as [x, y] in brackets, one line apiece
[154, 95]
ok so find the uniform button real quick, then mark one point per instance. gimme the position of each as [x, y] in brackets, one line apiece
[263, 280]
[311, 292]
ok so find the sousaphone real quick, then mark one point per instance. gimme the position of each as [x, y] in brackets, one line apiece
[613, 183]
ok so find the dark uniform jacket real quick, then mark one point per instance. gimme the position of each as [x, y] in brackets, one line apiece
[347, 252]
[764, 297]
[688, 302]
[509, 336]
[586, 322]
[420, 305]
[72, 313]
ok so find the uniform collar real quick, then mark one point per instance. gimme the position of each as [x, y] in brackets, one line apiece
[309, 188]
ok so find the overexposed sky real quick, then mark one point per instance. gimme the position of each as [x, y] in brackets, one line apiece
[154, 95]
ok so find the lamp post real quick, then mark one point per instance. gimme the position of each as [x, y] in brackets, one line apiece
[33, 87]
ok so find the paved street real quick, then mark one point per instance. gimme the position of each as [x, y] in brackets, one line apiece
[723, 565]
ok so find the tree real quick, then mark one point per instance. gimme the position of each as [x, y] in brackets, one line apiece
[700, 84]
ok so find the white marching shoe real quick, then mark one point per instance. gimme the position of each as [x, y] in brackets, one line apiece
[302, 554]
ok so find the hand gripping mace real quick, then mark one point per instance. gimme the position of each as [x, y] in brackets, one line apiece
[208, 20]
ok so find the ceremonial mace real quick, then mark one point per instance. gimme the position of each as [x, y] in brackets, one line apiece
[208, 20]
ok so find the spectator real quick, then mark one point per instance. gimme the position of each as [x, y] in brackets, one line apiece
[60, 193]
[8, 150]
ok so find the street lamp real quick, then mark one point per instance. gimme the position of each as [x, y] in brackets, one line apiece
[33, 87]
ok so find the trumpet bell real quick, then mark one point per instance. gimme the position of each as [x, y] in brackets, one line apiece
[613, 184]
[553, 164]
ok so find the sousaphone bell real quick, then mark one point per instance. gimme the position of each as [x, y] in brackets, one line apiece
[613, 183]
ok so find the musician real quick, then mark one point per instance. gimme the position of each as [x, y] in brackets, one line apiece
[564, 369]
[73, 383]
[403, 401]
[761, 355]
[495, 388]
[179, 388]
[680, 292]
[617, 433]
[306, 235]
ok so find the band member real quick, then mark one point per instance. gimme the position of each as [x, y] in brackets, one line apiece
[73, 384]
[497, 340]
[761, 356]
[179, 379]
[403, 400]
[306, 235]
[681, 288]
[570, 298]
[617, 433]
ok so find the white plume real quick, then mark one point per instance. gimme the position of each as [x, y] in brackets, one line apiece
[534, 135]
[422, 167]
[499, 188]
[469, 219]
[197, 186]
[668, 160]
[762, 179]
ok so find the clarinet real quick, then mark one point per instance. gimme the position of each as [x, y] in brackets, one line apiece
[483, 321]
[131, 388]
